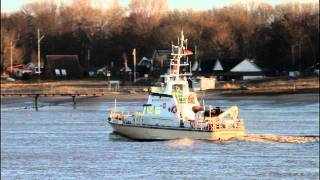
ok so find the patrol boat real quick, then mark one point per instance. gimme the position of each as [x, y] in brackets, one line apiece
[174, 112]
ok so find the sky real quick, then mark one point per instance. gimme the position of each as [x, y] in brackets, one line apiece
[14, 5]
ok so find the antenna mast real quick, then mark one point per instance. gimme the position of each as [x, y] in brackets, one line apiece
[180, 58]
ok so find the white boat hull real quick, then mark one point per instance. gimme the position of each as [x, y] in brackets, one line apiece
[167, 133]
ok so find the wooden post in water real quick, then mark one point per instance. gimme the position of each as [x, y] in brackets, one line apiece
[74, 100]
[36, 98]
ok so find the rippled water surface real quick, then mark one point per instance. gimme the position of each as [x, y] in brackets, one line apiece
[65, 142]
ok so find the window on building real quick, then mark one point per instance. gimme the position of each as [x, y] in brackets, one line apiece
[57, 71]
[63, 72]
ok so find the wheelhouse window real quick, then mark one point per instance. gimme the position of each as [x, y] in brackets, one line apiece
[147, 109]
[177, 92]
[157, 110]
[177, 88]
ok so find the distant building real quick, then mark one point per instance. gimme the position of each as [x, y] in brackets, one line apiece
[144, 66]
[63, 66]
[145, 62]
[294, 73]
[126, 70]
[248, 70]
[202, 83]
[228, 69]
[225, 65]
[316, 69]
[104, 71]
[160, 59]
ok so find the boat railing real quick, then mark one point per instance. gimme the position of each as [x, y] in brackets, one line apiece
[138, 118]
[216, 123]
[120, 115]
[127, 117]
[199, 124]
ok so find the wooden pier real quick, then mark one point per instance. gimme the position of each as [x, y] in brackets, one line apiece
[36, 93]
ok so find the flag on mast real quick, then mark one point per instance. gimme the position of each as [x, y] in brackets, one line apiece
[187, 52]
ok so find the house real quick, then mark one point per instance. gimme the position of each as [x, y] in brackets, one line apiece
[225, 65]
[145, 62]
[126, 70]
[63, 66]
[160, 59]
[196, 66]
[316, 69]
[227, 69]
[104, 71]
[248, 70]
[144, 66]
[201, 83]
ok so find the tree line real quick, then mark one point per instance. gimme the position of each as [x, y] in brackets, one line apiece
[279, 37]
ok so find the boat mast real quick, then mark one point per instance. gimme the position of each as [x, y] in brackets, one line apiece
[115, 105]
[177, 53]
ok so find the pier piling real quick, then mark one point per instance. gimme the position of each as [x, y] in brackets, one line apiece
[37, 94]
[36, 99]
[74, 100]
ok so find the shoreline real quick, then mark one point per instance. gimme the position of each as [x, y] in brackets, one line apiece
[265, 86]
[15, 101]
[271, 92]
[287, 90]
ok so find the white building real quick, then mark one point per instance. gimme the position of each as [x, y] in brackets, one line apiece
[249, 69]
[228, 69]
[201, 83]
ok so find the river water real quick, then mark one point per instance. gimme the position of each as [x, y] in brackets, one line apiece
[62, 141]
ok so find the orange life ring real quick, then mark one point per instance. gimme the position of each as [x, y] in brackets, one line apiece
[174, 109]
[191, 99]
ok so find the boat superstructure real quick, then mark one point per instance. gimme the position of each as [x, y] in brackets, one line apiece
[173, 110]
